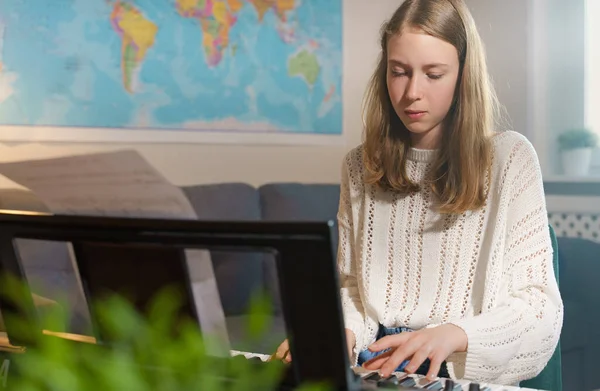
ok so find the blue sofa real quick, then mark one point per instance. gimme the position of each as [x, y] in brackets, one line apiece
[240, 274]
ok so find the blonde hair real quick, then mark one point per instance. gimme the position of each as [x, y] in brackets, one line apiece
[459, 171]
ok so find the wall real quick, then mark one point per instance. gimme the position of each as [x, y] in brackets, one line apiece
[515, 32]
[508, 63]
[201, 163]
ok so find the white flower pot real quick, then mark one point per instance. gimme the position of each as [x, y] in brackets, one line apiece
[576, 162]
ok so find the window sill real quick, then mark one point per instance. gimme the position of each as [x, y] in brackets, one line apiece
[560, 185]
[591, 178]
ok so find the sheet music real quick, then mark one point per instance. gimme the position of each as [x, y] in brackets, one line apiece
[120, 184]
[123, 184]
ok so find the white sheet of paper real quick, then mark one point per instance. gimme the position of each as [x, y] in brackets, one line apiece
[120, 184]
[124, 184]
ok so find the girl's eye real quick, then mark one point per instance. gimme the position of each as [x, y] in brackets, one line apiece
[435, 77]
[398, 74]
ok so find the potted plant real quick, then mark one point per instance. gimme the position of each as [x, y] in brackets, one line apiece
[576, 147]
[144, 354]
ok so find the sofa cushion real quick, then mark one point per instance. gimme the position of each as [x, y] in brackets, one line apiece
[579, 267]
[574, 333]
[239, 275]
[579, 275]
[226, 201]
[300, 202]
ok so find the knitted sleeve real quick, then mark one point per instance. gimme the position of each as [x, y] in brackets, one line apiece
[347, 263]
[518, 329]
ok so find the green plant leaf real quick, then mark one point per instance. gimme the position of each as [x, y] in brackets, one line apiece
[577, 138]
[154, 350]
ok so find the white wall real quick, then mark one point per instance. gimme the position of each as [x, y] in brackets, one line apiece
[504, 29]
[508, 29]
[201, 163]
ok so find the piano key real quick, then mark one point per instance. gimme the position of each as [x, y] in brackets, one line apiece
[450, 385]
[434, 386]
[408, 382]
[464, 384]
[490, 387]
[262, 357]
[422, 381]
[362, 372]
[497, 387]
[404, 380]
[374, 377]
[391, 380]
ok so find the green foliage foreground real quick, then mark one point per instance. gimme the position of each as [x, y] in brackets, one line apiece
[151, 352]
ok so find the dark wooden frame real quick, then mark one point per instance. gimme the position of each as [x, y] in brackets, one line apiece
[307, 274]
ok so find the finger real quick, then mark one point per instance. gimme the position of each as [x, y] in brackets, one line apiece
[376, 362]
[400, 354]
[282, 350]
[390, 341]
[418, 358]
[434, 367]
[288, 357]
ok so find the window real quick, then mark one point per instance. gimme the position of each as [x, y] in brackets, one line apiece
[592, 73]
[565, 69]
[592, 65]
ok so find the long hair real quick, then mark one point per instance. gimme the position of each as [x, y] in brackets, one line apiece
[458, 174]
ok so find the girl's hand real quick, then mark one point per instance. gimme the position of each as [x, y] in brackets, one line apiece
[351, 342]
[435, 344]
[283, 351]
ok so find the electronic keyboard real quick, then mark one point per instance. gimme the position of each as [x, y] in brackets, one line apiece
[370, 380]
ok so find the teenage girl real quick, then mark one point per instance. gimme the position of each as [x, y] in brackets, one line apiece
[445, 256]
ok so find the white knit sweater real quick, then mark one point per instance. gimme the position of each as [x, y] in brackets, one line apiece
[489, 271]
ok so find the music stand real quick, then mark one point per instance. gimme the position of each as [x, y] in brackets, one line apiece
[307, 273]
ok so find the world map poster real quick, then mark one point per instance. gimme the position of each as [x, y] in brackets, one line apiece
[186, 66]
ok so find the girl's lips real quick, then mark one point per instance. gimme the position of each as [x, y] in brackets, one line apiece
[413, 114]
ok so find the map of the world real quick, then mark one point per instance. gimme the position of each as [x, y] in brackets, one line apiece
[194, 65]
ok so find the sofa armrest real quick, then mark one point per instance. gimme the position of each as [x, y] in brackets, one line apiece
[579, 263]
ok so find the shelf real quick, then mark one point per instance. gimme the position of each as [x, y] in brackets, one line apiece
[570, 179]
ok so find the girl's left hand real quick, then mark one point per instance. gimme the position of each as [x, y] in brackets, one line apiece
[435, 344]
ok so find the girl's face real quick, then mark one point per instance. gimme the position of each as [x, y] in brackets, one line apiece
[422, 72]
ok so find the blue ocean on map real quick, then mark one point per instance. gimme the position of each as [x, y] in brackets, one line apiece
[197, 65]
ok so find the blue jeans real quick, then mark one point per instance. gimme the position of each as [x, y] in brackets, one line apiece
[367, 355]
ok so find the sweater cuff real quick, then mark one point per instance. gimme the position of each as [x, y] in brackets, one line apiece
[357, 327]
[475, 354]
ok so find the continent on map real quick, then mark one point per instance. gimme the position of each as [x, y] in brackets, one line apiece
[280, 7]
[187, 70]
[137, 36]
[6, 78]
[1, 45]
[304, 64]
[216, 18]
